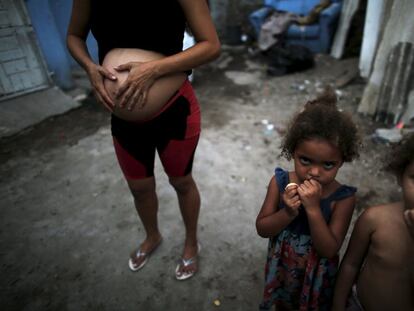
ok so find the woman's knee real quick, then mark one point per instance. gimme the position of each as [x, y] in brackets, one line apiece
[182, 184]
[142, 188]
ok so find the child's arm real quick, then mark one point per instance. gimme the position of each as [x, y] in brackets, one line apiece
[272, 220]
[327, 238]
[353, 259]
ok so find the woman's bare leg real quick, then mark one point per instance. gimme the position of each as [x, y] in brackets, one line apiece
[189, 202]
[146, 204]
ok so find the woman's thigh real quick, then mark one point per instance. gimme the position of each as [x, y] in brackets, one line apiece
[177, 156]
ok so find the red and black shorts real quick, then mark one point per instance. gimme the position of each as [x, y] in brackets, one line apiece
[173, 133]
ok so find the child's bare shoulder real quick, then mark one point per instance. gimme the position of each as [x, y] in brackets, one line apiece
[380, 213]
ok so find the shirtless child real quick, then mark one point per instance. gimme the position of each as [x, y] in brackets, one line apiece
[377, 272]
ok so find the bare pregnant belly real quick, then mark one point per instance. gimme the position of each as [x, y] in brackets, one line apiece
[159, 93]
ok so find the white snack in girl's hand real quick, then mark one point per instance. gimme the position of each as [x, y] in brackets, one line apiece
[291, 185]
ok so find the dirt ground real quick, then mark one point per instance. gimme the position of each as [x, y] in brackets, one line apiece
[67, 222]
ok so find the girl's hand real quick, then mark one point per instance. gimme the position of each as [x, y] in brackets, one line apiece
[134, 91]
[291, 199]
[96, 75]
[310, 193]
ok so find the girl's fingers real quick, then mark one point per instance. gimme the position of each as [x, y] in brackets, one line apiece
[291, 192]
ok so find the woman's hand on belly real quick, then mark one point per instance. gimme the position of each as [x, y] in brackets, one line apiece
[134, 91]
[97, 75]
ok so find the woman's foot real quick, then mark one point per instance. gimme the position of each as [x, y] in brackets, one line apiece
[139, 257]
[188, 263]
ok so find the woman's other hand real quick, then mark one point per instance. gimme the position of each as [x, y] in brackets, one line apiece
[134, 91]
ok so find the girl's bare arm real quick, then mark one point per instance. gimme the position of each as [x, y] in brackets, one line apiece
[328, 238]
[271, 221]
[353, 258]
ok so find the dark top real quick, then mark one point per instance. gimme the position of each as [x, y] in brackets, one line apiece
[155, 25]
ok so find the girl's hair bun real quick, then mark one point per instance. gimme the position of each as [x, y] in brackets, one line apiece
[326, 98]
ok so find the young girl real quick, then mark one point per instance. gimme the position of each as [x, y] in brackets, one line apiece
[377, 272]
[306, 212]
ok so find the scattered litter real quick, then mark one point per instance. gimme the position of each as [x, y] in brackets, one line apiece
[217, 303]
[246, 145]
[339, 93]
[242, 78]
[399, 125]
[298, 87]
[393, 135]
[244, 38]
[80, 97]
[268, 129]
[307, 82]
[301, 87]
[383, 135]
[224, 62]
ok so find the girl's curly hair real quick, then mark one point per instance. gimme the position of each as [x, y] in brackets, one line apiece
[401, 156]
[320, 118]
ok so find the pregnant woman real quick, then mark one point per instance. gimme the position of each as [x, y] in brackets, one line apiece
[142, 80]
